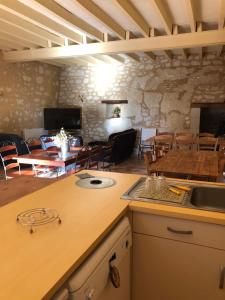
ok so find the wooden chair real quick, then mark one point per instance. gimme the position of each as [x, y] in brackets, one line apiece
[207, 143]
[6, 155]
[206, 134]
[34, 146]
[82, 159]
[165, 133]
[106, 157]
[95, 157]
[144, 143]
[184, 142]
[148, 160]
[163, 143]
[186, 134]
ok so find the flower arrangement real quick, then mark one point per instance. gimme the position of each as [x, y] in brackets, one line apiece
[116, 112]
[61, 138]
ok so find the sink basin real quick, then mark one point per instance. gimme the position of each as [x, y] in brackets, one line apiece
[208, 198]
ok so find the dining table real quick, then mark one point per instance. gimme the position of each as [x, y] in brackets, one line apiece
[48, 158]
[188, 163]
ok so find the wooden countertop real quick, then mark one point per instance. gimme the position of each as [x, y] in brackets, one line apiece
[33, 266]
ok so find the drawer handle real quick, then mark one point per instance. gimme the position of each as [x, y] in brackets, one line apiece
[222, 276]
[179, 231]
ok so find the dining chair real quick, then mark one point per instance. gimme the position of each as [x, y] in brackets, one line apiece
[34, 146]
[163, 143]
[207, 143]
[206, 134]
[184, 133]
[82, 159]
[95, 157]
[165, 133]
[48, 142]
[106, 158]
[8, 163]
[148, 160]
[184, 142]
[221, 167]
[144, 143]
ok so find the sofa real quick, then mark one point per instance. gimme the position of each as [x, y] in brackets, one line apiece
[122, 144]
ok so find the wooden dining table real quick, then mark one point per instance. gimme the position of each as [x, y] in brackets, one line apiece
[46, 158]
[189, 162]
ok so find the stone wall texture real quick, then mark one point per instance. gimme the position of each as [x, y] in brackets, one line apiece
[25, 89]
[159, 93]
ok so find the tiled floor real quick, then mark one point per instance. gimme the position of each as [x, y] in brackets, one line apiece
[132, 165]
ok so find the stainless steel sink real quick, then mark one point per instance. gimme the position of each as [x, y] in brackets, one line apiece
[203, 196]
[208, 198]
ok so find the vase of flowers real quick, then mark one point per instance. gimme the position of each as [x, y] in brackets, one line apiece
[116, 112]
[62, 141]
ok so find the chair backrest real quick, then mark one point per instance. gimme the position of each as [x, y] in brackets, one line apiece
[165, 133]
[34, 145]
[47, 141]
[206, 134]
[184, 142]
[207, 143]
[185, 134]
[6, 154]
[148, 160]
[82, 159]
[164, 140]
[147, 133]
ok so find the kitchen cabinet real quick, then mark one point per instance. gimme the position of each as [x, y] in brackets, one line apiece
[169, 268]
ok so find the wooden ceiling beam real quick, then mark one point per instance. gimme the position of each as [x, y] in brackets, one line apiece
[116, 58]
[27, 26]
[199, 29]
[10, 44]
[165, 19]
[164, 16]
[22, 34]
[79, 62]
[17, 41]
[168, 54]
[179, 41]
[135, 16]
[150, 55]
[133, 56]
[25, 12]
[79, 23]
[191, 14]
[53, 62]
[176, 31]
[221, 16]
[219, 51]
[103, 17]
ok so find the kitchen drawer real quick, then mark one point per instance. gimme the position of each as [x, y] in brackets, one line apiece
[199, 233]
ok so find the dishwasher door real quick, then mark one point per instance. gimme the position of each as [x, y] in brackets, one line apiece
[92, 280]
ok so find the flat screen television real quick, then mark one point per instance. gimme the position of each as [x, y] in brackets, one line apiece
[56, 118]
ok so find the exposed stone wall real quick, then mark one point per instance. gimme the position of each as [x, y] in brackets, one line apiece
[159, 93]
[25, 89]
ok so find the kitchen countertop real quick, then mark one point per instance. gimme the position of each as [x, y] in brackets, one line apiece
[33, 266]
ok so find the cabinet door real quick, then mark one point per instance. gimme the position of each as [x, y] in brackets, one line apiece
[165, 269]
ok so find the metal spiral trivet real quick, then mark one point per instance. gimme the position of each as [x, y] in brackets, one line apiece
[37, 217]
